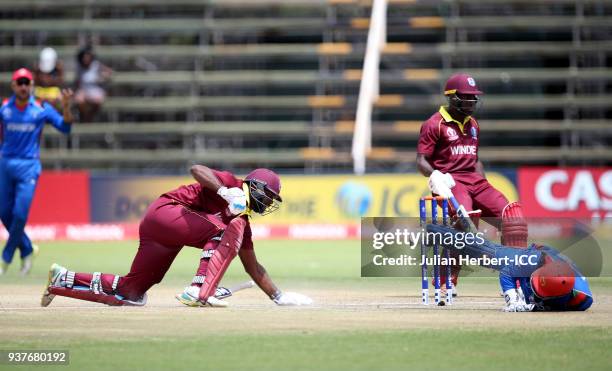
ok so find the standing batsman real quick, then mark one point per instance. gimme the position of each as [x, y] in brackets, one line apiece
[22, 119]
[448, 150]
[213, 215]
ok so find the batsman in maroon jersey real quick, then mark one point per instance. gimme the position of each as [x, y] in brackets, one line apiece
[448, 143]
[212, 215]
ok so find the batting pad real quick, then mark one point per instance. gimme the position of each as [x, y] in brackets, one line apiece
[222, 257]
[514, 228]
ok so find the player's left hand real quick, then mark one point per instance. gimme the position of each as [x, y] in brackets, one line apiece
[448, 178]
[518, 307]
[67, 96]
[441, 183]
[292, 298]
[236, 199]
[515, 303]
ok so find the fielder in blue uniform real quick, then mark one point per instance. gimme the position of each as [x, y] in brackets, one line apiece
[549, 281]
[22, 119]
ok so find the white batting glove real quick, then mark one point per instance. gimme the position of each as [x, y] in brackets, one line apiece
[441, 184]
[450, 182]
[292, 298]
[514, 302]
[235, 197]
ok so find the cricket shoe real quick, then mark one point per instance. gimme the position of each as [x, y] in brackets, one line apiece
[56, 272]
[26, 263]
[189, 297]
[137, 303]
[443, 291]
[454, 280]
[3, 267]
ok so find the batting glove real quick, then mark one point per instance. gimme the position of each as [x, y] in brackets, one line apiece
[291, 298]
[448, 178]
[236, 199]
[514, 302]
[441, 183]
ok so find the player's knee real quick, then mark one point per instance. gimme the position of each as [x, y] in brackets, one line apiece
[19, 220]
[5, 215]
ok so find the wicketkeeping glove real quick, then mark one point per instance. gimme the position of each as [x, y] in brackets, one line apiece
[236, 199]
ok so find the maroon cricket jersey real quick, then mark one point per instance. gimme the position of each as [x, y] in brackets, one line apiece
[448, 147]
[197, 198]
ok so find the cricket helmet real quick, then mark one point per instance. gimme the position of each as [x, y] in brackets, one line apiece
[264, 191]
[553, 279]
[462, 93]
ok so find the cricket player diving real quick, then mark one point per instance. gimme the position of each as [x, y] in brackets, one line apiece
[447, 150]
[22, 120]
[549, 281]
[212, 215]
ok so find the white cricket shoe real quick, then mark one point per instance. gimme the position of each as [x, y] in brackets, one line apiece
[443, 291]
[189, 297]
[3, 267]
[26, 263]
[56, 272]
[138, 303]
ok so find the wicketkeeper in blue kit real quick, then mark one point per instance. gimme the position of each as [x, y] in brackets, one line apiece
[22, 119]
[549, 281]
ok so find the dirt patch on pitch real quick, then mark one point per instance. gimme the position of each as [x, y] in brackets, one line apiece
[336, 309]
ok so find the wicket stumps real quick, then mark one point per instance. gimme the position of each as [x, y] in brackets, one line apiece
[436, 253]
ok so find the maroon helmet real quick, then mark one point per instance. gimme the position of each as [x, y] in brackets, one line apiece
[264, 191]
[461, 83]
[462, 93]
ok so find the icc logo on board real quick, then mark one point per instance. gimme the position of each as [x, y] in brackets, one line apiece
[354, 199]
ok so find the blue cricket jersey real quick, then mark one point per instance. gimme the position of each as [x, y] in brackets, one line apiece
[21, 128]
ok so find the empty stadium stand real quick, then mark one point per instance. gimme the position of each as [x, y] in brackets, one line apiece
[238, 83]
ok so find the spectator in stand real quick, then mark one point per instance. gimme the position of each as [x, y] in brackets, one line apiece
[91, 74]
[49, 77]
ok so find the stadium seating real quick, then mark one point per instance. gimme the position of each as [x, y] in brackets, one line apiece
[238, 83]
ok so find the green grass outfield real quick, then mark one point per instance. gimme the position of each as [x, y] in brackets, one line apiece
[356, 323]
